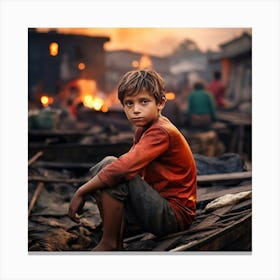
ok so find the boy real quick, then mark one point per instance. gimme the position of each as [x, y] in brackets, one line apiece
[153, 185]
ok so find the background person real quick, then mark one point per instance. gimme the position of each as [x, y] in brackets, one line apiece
[201, 107]
[217, 88]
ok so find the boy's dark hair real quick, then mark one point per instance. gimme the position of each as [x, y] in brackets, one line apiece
[217, 75]
[137, 80]
[70, 101]
[199, 85]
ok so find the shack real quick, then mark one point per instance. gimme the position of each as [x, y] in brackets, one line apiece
[236, 65]
[55, 58]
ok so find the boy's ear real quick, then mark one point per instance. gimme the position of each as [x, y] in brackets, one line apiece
[161, 106]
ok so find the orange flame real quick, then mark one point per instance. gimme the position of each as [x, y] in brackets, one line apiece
[46, 100]
[170, 95]
[90, 96]
[53, 48]
[95, 103]
[145, 62]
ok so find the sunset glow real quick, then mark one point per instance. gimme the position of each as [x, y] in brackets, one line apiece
[157, 41]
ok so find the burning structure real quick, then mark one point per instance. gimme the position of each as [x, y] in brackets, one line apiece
[55, 60]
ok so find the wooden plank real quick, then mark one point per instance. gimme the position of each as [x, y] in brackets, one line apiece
[234, 118]
[165, 244]
[220, 239]
[242, 205]
[57, 180]
[64, 165]
[210, 195]
[194, 238]
[224, 177]
[35, 197]
[35, 157]
[57, 133]
[74, 152]
[212, 218]
[135, 237]
[194, 228]
[205, 224]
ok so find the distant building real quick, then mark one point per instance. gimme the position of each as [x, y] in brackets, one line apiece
[54, 59]
[236, 61]
[120, 61]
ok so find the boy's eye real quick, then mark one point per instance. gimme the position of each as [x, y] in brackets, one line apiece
[128, 103]
[145, 101]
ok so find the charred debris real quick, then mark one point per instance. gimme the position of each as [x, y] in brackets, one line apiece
[59, 162]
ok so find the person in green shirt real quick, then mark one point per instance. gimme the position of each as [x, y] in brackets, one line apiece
[201, 107]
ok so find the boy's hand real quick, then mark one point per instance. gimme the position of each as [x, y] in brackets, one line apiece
[76, 205]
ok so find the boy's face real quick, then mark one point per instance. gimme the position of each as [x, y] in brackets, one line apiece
[141, 109]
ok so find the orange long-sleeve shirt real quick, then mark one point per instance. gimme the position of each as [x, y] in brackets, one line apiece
[162, 156]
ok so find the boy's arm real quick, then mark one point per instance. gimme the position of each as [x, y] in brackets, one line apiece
[78, 200]
[153, 143]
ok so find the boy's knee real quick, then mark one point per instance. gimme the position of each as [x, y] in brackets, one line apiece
[108, 159]
[105, 161]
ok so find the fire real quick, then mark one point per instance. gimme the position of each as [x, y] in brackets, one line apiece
[170, 95]
[89, 94]
[143, 63]
[46, 100]
[81, 66]
[95, 103]
[53, 48]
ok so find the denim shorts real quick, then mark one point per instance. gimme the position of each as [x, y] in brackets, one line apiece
[144, 206]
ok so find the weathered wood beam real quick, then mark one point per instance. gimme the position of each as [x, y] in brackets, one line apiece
[35, 157]
[220, 239]
[35, 197]
[67, 165]
[210, 195]
[224, 177]
[56, 180]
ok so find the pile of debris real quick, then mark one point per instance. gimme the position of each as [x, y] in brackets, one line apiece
[51, 188]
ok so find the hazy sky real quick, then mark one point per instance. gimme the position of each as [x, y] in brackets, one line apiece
[159, 41]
